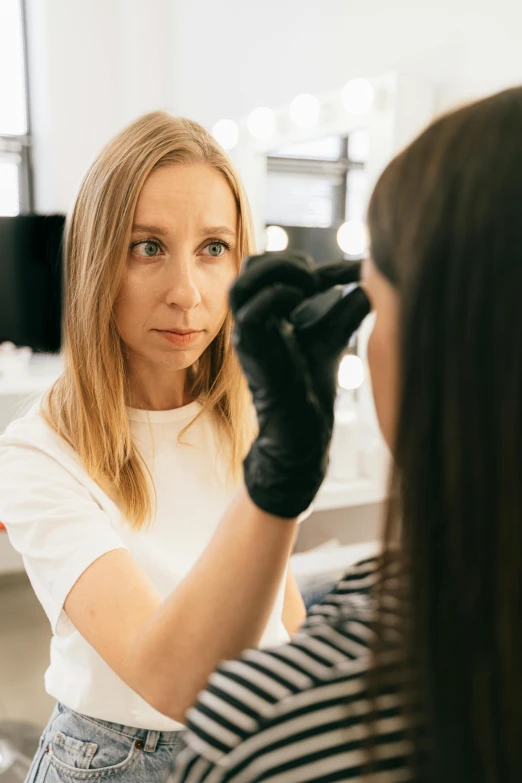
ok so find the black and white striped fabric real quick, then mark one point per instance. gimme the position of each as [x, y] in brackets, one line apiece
[298, 713]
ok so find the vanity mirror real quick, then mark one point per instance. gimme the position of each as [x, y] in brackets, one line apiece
[309, 168]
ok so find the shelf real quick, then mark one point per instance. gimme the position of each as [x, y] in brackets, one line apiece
[20, 386]
[43, 370]
[328, 564]
[343, 494]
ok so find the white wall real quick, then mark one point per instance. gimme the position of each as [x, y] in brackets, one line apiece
[235, 55]
[96, 64]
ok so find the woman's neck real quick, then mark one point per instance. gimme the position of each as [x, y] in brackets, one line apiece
[158, 390]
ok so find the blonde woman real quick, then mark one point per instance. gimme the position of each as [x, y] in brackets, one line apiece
[122, 490]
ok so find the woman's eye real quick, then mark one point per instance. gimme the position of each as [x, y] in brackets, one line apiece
[146, 249]
[216, 249]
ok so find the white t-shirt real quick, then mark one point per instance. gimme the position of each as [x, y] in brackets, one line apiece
[60, 521]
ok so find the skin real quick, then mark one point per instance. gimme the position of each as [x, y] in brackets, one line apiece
[383, 347]
[182, 261]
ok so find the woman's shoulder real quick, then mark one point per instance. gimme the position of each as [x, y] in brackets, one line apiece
[266, 696]
[302, 706]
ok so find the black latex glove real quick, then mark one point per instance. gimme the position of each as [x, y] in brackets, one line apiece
[291, 371]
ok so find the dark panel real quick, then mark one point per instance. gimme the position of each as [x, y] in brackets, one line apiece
[31, 280]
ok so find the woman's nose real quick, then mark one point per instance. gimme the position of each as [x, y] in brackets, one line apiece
[183, 291]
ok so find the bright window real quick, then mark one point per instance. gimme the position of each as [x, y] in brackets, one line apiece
[15, 191]
[9, 190]
[319, 183]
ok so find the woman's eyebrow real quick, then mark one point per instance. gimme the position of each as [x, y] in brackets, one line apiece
[208, 230]
[205, 231]
[150, 229]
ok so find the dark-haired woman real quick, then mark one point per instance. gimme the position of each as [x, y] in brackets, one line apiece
[411, 668]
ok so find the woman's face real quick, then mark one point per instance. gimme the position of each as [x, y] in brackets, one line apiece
[181, 262]
[383, 348]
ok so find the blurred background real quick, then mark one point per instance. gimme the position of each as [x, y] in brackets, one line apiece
[311, 99]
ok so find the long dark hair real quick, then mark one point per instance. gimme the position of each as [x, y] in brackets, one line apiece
[445, 223]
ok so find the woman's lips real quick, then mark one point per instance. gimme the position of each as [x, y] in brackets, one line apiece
[181, 338]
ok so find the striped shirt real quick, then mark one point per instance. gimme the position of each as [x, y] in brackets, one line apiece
[298, 713]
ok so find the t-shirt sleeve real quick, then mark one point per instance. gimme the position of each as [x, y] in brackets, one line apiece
[55, 524]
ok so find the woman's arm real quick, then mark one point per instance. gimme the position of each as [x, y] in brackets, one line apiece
[165, 650]
[294, 611]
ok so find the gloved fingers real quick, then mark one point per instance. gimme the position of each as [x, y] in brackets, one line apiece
[314, 309]
[297, 256]
[340, 273]
[339, 324]
[266, 346]
[276, 301]
[294, 270]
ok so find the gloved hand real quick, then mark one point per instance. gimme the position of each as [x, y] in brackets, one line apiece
[292, 372]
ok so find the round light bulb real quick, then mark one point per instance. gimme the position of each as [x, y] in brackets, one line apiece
[352, 238]
[276, 238]
[261, 123]
[304, 110]
[351, 372]
[358, 96]
[226, 133]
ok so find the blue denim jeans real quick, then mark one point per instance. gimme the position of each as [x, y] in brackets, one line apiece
[75, 747]
[314, 595]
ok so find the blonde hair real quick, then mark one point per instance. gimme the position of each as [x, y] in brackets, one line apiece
[87, 404]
